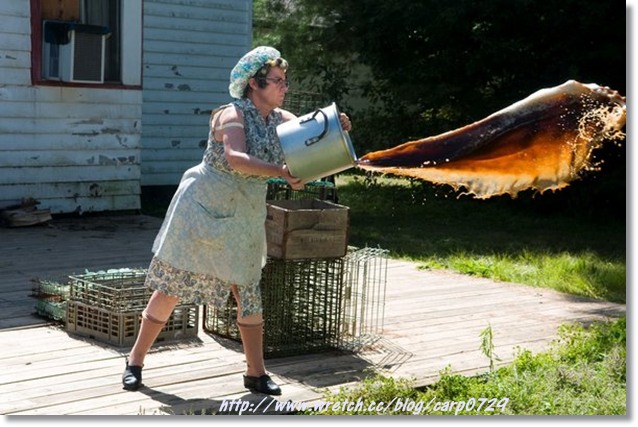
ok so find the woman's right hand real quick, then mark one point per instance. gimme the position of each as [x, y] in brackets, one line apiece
[294, 182]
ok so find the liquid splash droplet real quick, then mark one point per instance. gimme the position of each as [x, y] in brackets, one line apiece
[542, 142]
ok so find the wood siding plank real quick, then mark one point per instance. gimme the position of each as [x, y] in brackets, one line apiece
[190, 48]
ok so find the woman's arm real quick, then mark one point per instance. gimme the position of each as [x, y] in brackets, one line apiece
[234, 140]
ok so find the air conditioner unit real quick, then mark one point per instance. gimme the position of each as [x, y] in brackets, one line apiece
[73, 52]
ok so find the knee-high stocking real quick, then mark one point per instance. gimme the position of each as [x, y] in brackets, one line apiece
[154, 318]
[252, 338]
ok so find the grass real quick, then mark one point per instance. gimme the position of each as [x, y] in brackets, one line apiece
[583, 373]
[557, 241]
[542, 241]
[526, 240]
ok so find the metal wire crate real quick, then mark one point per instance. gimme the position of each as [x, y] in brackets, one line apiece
[301, 102]
[324, 189]
[302, 307]
[49, 290]
[51, 299]
[364, 296]
[54, 310]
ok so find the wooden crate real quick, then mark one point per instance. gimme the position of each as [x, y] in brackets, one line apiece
[311, 228]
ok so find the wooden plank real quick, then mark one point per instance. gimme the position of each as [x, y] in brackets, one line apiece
[432, 320]
[70, 157]
[73, 126]
[14, 9]
[191, 12]
[76, 113]
[64, 10]
[95, 173]
[15, 76]
[59, 142]
[76, 95]
[15, 59]
[20, 42]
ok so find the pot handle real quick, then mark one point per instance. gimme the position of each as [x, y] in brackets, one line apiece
[312, 140]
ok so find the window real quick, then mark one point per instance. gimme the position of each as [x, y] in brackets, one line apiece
[82, 42]
[106, 14]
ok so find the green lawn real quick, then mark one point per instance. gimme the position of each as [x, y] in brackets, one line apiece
[558, 241]
[546, 241]
[525, 240]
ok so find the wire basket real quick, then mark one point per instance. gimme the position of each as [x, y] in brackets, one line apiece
[366, 272]
[49, 290]
[323, 189]
[301, 307]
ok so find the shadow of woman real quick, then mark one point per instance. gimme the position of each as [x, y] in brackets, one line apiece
[247, 404]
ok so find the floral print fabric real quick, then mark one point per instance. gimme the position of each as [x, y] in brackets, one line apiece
[213, 235]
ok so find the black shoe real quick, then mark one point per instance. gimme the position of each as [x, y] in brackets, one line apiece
[132, 377]
[261, 384]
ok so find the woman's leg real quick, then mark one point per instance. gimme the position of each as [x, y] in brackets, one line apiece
[154, 317]
[251, 329]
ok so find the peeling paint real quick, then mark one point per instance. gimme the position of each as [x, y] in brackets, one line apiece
[116, 161]
[111, 131]
[168, 85]
[184, 87]
[95, 190]
[175, 70]
[122, 140]
[106, 161]
[92, 133]
[176, 143]
[94, 121]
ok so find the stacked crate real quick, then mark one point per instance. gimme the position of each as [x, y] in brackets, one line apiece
[302, 282]
[51, 299]
[107, 306]
[302, 307]
[323, 189]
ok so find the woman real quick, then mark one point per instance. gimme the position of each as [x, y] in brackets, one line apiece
[212, 241]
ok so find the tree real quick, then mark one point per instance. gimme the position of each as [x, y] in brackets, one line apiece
[435, 65]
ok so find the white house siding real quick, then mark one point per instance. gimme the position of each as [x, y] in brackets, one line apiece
[189, 48]
[74, 149]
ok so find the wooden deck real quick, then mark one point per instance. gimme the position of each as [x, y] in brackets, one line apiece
[432, 320]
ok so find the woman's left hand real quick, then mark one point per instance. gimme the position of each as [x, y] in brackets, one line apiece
[345, 122]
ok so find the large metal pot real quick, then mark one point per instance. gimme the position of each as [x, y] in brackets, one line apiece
[315, 145]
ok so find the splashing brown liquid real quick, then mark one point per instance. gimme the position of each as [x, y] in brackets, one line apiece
[542, 142]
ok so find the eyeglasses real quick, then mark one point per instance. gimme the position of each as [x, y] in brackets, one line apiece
[279, 82]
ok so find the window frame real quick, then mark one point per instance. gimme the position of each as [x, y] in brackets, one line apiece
[130, 52]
